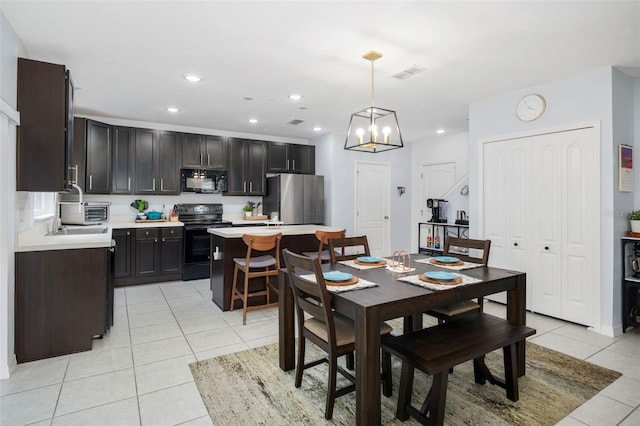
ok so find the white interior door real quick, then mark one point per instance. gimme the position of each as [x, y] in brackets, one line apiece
[505, 209]
[373, 206]
[540, 211]
[436, 180]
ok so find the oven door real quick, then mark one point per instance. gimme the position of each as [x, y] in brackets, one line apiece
[196, 244]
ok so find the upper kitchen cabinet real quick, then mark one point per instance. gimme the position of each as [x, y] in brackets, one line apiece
[203, 152]
[291, 158]
[98, 168]
[77, 164]
[123, 159]
[45, 134]
[246, 161]
[156, 162]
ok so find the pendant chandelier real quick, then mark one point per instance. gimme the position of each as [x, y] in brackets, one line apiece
[373, 129]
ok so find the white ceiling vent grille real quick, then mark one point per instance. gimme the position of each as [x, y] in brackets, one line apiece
[409, 72]
[295, 122]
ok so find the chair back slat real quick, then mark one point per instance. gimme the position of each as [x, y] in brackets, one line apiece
[472, 245]
[309, 297]
[348, 248]
[263, 243]
[325, 236]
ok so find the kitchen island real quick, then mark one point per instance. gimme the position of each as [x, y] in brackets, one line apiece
[226, 243]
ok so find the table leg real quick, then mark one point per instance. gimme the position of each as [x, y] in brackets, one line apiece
[517, 314]
[286, 329]
[367, 324]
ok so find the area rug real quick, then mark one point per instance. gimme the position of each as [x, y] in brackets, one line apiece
[248, 388]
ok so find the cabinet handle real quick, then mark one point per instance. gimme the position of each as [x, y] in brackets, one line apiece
[154, 184]
[201, 158]
[146, 233]
[163, 240]
[90, 181]
[129, 183]
[208, 159]
[515, 244]
[161, 184]
[250, 186]
[128, 233]
[294, 164]
[155, 241]
[287, 164]
[546, 248]
[244, 186]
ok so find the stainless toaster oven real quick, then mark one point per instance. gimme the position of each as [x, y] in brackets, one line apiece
[86, 213]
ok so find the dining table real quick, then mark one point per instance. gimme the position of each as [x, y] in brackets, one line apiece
[392, 298]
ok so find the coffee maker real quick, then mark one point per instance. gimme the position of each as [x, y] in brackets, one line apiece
[438, 211]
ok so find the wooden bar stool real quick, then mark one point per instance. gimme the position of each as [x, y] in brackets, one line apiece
[324, 236]
[266, 265]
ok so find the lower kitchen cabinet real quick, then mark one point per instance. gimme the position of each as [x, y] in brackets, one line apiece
[60, 301]
[145, 255]
[123, 255]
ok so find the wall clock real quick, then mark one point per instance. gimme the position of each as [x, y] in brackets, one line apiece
[531, 107]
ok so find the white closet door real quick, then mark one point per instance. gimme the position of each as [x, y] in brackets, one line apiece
[563, 276]
[580, 273]
[505, 210]
[546, 226]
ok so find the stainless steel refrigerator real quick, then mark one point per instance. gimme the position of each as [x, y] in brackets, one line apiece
[298, 199]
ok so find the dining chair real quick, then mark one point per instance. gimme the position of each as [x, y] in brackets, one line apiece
[264, 265]
[331, 332]
[467, 250]
[324, 236]
[348, 248]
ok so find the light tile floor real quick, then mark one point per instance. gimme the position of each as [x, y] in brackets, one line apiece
[139, 375]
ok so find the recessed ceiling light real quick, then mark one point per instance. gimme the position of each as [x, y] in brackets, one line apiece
[192, 78]
[295, 97]
[253, 120]
[440, 131]
[317, 129]
[172, 109]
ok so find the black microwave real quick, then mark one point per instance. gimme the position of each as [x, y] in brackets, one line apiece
[204, 181]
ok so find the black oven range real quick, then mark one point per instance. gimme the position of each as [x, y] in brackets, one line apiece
[197, 218]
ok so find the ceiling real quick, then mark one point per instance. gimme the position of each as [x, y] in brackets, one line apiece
[128, 58]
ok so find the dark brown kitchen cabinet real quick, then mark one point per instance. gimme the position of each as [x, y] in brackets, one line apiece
[291, 158]
[45, 134]
[78, 158]
[123, 256]
[60, 301]
[98, 166]
[157, 162]
[171, 251]
[246, 167]
[147, 257]
[123, 159]
[203, 152]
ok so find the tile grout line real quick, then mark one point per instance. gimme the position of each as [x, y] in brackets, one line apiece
[133, 362]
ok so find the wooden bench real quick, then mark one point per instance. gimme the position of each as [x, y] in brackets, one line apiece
[436, 349]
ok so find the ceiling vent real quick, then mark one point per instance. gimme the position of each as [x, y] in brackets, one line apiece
[409, 72]
[295, 122]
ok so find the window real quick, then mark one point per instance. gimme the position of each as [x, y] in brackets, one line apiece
[43, 205]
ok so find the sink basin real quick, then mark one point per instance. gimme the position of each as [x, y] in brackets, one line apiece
[79, 231]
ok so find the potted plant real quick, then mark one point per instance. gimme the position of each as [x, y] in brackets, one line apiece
[634, 218]
[141, 206]
[248, 208]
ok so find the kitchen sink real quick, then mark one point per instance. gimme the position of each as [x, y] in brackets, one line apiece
[79, 231]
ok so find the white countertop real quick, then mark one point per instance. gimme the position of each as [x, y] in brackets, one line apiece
[37, 240]
[268, 230]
